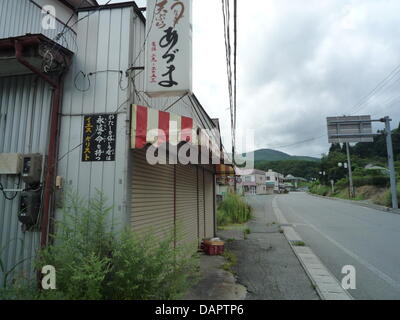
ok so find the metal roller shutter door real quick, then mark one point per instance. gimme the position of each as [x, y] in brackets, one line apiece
[152, 197]
[186, 203]
[202, 228]
[209, 201]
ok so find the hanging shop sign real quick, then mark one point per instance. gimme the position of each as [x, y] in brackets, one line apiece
[168, 48]
[99, 137]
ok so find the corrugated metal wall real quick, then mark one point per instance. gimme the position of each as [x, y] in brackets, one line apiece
[19, 17]
[104, 46]
[24, 124]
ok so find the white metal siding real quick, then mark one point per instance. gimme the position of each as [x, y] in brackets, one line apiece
[19, 17]
[24, 124]
[152, 197]
[104, 45]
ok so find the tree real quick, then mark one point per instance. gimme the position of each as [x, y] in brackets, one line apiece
[335, 147]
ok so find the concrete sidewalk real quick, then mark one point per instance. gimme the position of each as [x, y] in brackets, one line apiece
[267, 266]
[215, 283]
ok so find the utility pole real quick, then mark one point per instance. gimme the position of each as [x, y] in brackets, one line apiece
[351, 186]
[393, 178]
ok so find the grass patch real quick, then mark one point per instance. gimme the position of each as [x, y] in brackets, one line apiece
[233, 210]
[230, 261]
[298, 243]
[238, 227]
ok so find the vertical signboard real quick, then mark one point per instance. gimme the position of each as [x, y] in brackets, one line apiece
[168, 48]
[99, 137]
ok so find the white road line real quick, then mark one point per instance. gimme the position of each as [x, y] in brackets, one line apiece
[360, 260]
[278, 213]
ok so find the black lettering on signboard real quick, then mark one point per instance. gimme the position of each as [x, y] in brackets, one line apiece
[99, 137]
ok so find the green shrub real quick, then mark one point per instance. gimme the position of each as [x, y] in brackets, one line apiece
[388, 197]
[233, 210]
[378, 181]
[94, 262]
[146, 268]
[320, 189]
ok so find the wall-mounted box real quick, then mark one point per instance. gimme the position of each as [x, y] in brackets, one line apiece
[32, 168]
[29, 207]
[10, 163]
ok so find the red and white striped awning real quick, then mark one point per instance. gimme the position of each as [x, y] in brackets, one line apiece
[155, 127]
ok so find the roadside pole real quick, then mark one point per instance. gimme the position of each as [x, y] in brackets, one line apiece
[351, 186]
[389, 143]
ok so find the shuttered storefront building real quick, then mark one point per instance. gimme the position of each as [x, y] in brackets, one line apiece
[172, 200]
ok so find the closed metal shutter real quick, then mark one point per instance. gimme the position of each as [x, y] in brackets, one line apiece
[202, 225]
[164, 196]
[209, 203]
[186, 203]
[152, 197]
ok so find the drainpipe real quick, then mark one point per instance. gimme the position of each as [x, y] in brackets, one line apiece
[54, 128]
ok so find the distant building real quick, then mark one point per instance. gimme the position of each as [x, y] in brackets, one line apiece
[293, 182]
[252, 181]
[275, 180]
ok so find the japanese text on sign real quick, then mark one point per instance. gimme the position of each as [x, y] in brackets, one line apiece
[169, 51]
[99, 137]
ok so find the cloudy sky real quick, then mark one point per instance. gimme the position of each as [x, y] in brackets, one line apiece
[299, 61]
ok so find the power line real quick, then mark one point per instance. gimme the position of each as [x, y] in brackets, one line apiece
[361, 104]
[235, 73]
[387, 81]
[228, 51]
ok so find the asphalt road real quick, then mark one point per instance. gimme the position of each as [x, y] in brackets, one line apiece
[342, 234]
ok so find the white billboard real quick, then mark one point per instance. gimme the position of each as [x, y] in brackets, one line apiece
[168, 48]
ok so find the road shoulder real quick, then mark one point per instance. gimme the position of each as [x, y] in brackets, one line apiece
[325, 283]
[358, 203]
[266, 264]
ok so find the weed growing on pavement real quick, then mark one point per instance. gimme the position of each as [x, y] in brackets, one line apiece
[233, 210]
[230, 261]
[298, 243]
[246, 232]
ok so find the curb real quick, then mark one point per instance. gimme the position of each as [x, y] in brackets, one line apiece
[361, 204]
[326, 285]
